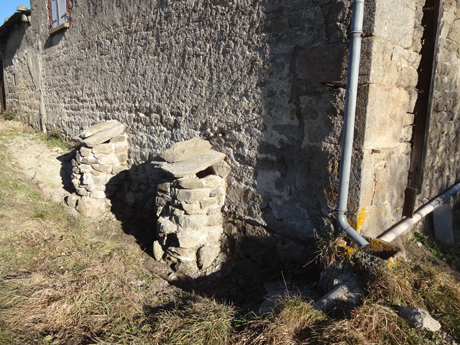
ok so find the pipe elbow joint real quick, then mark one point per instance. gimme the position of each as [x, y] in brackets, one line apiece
[355, 236]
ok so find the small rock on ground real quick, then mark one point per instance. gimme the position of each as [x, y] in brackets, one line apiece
[419, 319]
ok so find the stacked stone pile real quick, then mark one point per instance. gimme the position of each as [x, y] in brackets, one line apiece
[189, 205]
[98, 167]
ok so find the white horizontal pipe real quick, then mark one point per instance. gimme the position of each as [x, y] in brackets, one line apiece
[405, 224]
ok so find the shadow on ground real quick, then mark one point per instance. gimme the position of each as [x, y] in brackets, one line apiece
[238, 274]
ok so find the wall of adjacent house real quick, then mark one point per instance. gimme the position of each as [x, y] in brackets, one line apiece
[442, 168]
[244, 74]
[386, 114]
[21, 72]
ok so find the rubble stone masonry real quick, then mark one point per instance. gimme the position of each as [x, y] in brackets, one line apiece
[245, 75]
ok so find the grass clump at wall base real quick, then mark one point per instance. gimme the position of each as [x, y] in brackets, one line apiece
[55, 139]
[7, 115]
[449, 253]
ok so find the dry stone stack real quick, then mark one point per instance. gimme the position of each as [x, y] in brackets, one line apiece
[98, 167]
[189, 205]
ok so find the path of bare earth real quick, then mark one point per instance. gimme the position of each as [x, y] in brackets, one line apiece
[41, 163]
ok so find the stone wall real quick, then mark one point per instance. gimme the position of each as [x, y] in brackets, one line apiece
[21, 71]
[442, 168]
[245, 75]
[386, 112]
[189, 204]
[99, 168]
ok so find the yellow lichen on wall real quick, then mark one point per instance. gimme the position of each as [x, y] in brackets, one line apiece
[360, 218]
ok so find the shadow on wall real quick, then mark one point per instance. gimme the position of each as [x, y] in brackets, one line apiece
[54, 40]
[295, 167]
[133, 203]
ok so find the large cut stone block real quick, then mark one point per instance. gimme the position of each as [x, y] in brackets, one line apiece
[381, 121]
[165, 226]
[207, 254]
[190, 196]
[192, 166]
[197, 222]
[100, 127]
[105, 135]
[90, 207]
[185, 150]
[191, 238]
[103, 148]
[388, 64]
[394, 21]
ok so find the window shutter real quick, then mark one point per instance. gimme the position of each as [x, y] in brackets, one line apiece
[62, 11]
[54, 13]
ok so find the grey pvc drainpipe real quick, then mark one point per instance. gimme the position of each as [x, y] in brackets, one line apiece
[405, 224]
[349, 121]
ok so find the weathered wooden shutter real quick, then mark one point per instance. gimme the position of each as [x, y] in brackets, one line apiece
[54, 13]
[62, 11]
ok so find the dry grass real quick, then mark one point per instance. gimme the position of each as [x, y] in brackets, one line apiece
[66, 280]
[194, 321]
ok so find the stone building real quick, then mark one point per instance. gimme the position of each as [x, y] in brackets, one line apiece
[254, 78]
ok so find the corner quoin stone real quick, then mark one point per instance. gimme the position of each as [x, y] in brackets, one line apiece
[207, 254]
[90, 207]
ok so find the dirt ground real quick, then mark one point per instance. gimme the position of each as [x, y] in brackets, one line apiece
[37, 161]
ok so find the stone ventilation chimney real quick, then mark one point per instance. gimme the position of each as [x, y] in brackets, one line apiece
[189, 205]
[97, 167]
